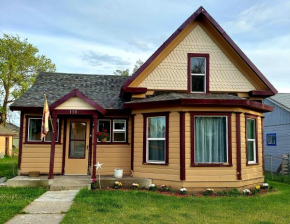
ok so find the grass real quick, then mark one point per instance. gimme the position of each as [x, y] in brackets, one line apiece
[13, 200]
[8, 167]
[277, 177]
[148, 207]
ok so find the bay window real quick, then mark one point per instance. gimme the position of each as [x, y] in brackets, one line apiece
[251, 140]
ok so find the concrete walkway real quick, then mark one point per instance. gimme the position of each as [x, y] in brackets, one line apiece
[48, 208]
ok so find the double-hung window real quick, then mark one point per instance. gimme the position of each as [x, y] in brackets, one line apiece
[34, 131]
[198, 69]
[251, 141]
[210, 139]
[156, 139]
[116, 129]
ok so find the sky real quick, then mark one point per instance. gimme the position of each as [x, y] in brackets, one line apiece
[100, 36]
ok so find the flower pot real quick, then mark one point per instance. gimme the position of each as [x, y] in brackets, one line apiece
[103, 139]
[118, 173]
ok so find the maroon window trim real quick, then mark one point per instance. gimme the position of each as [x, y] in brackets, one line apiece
[64, 145]
[132, 140]
[263, 149]
[254, 117]
[145, 116]
[238, 136]
[77, 140]
[182, 146]
[192, 55]
[111, 131]
[42, 142]
[229, 120]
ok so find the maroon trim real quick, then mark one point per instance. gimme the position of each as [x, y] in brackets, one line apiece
[182, 146]
[192, 124]
[95, 121]
[263, 161]
[64, 145]
[52, 150]
[145, 116]
[20, 140]
[8, 135]
[115, 112]
[30, 110]
[90, 147]
[74, 112]
[77, 93]
[189, 56]
[261, 93]
[238, 136]
[200, 102]
[136, 90]
[42, 142]
[77, 140]
[197, 13]
[254, 117]
[132, 140]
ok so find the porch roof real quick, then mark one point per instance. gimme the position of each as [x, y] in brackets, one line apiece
[102, 89]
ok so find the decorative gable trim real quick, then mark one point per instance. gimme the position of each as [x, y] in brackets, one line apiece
[77, 93]
[193, 17]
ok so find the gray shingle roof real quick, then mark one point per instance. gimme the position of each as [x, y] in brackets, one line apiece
[282, 99]
[163, 96]
[102, 89]
[6, 131]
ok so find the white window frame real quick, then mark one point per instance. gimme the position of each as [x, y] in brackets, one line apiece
[120, 130]
[254, 142]
[158, 139]
[194, 74]
[109, 131]
[227, 139]
[40, 140]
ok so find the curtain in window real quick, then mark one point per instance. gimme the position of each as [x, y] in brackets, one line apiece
[210, 140]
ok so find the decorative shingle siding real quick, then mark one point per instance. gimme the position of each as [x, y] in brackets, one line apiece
[171, 73]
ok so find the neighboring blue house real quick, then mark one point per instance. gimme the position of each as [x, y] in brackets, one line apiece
[277, 129]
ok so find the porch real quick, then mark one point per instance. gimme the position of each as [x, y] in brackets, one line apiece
[74, 182]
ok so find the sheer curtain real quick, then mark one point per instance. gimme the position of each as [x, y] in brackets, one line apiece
[210, 140]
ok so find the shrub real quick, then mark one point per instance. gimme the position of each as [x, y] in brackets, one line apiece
[164, 188]
[152, 187]
[183, 191]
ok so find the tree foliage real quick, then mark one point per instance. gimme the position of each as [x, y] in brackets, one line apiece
[126, 72]
[19, 66]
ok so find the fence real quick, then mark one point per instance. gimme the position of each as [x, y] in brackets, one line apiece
[278, 164]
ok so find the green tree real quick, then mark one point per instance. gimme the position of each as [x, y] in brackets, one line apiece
[126, 72]
[19, 66]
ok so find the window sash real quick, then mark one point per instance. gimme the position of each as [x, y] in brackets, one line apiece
[155, 139]
[109, 131]
[198, 74]
[120, 130]
[253, 140]
[226, 140]
[44, 139]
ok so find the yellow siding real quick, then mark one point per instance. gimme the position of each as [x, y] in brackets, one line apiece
[36, 157]
[171, 72]
[75, 103]
[197, 178]
[3, 142]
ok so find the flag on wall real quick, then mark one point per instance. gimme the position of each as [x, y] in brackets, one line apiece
[45, 117]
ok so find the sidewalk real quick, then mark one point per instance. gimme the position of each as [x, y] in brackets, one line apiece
[48, 208]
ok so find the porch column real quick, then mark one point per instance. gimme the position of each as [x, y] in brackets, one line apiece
[132, 142]
[95, 122]
[52, 150]
[182, 145]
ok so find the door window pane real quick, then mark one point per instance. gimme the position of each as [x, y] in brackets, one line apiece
[78, 131]
[211, 140]
[34, 132]
[156, 127]
[156, 150]
[77, 149]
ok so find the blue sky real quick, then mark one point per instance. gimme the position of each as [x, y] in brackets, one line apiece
[101, 36]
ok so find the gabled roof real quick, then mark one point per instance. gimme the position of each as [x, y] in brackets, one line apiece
[200, 11]
[282, 100]
[100, 89]
[4, 131]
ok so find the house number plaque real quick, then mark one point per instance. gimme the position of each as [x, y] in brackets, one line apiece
[73, 111]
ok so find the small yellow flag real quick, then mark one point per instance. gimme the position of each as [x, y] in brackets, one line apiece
[45, 117]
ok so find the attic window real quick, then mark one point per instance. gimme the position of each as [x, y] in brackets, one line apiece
[198, 73]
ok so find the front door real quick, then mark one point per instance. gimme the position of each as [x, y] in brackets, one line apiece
[77, 146]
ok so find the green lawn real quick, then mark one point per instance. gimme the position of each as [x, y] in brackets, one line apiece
[149, 207]
[13, 200]
[8, 167]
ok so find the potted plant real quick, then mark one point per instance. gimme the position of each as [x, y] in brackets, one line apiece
[118, 173]
[103, 135]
